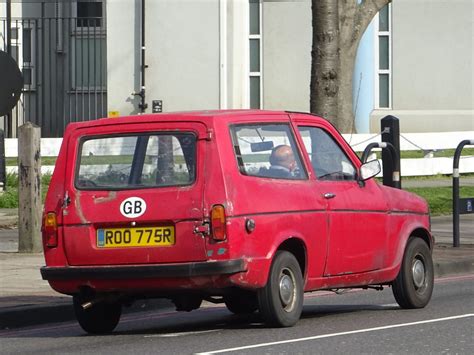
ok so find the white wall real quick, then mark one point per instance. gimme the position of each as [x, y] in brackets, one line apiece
[183, 43]
[123, 55]
[237, 52]
[287, 40]
[182, 54]
[433, 70]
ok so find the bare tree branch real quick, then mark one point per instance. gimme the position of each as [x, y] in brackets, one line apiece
[347, 10]
[368, 9]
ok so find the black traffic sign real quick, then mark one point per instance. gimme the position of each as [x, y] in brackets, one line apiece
[11, 83]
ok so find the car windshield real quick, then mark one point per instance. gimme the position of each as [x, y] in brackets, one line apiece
[136, 161]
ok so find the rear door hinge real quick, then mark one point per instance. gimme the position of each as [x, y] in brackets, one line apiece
[203, 229]
[66, 200]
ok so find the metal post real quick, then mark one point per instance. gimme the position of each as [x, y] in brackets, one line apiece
[143, 105]
[8, 119]
[9, 27]
[3, 174]
[390, 128]
[457, 155]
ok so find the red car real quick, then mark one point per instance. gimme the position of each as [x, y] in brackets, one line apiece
[248, 208]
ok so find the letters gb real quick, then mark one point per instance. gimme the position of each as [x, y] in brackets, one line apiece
[133, 207]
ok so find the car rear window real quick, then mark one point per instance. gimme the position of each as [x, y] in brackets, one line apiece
[136, 161]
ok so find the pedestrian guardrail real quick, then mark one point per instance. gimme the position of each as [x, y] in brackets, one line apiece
[395, 160]
[460, 205]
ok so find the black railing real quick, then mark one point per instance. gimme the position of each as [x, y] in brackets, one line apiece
[460, 205]
[63, 61]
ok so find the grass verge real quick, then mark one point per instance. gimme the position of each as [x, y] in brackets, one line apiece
[440, 199]
[9, 198]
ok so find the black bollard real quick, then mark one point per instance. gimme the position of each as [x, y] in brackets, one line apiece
[390, 128]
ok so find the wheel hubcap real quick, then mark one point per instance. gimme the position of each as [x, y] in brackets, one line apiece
[287, 289]
[418, 271]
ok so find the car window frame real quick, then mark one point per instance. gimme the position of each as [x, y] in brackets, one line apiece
[86, 138]
[307, 124]
[304, 173]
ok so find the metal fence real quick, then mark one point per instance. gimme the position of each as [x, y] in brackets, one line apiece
[61, 50]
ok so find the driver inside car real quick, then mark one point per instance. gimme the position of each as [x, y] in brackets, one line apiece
[282, 161]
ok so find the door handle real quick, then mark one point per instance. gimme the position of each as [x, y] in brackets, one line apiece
[329, 195]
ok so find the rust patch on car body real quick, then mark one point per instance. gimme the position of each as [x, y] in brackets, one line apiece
[77, 205]
[112, 196]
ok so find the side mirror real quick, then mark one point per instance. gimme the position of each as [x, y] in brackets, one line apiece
[369, 170]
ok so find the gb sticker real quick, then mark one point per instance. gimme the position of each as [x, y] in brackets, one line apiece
[133, 207]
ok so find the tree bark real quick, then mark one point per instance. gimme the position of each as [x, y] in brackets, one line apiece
[345, 113]
[324, 86]
[332, 69]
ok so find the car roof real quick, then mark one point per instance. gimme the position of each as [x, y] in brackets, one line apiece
[206, 116]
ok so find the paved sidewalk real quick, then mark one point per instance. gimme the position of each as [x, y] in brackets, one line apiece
[26, 299]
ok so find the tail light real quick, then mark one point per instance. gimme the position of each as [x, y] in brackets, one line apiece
[50, 230]
[218, 223]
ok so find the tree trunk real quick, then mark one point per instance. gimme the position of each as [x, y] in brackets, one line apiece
[337, 29]
[324, 85]
[345, 113]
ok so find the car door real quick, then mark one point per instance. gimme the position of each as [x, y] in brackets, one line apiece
[357, 213]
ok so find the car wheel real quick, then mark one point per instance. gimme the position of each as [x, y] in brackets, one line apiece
[281, 300]
[241, 302]
[100, 318]
[414, 284]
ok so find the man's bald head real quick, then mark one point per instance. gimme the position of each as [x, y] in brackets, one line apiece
[282, 155]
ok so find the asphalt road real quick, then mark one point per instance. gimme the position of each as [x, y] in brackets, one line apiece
[354, 322]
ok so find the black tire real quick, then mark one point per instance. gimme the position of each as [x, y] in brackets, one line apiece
[281, 300]
[241, 302]
[101, 318]
[414, 284]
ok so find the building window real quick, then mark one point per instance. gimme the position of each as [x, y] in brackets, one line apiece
[22, 49]
[89, 14]
[255, 54]
[383, 45]
[89, 47]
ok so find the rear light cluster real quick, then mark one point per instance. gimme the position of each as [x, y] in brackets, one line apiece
[218, 223]
[50, 230]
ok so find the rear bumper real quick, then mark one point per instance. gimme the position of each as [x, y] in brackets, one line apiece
[182, 270]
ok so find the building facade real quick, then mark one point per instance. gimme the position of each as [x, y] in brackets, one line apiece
[60, 48]
[415, 61]
[429, 65]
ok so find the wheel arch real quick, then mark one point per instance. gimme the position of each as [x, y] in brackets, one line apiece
[409, 229]
[297, 247]
[423, 234]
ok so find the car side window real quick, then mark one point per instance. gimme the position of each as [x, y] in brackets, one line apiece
[267, 150]
[327, 158]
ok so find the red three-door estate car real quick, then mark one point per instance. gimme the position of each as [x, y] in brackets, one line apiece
[248, 208]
